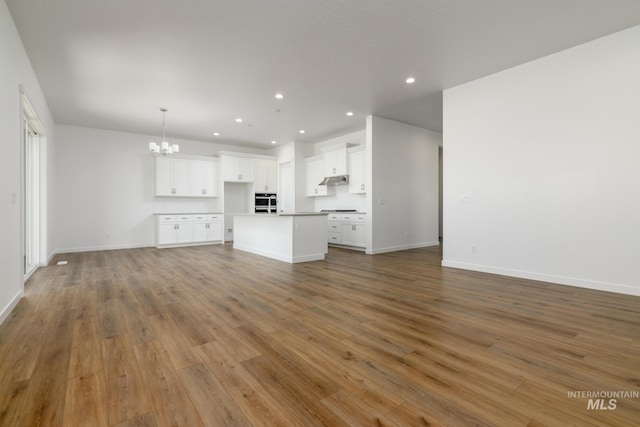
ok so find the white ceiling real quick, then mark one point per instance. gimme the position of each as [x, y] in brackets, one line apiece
[111, 64]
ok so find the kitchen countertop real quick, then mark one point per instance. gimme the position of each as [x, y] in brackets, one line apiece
[189, 213]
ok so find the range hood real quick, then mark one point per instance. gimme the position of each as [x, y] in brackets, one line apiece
[335, 180]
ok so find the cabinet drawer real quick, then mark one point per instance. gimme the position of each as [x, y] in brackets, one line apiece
[214, 217]
[199, 217]
[164, 219]
[335, 217]
[334, 237]
[361, 218]
[184, 218]
[334, 226]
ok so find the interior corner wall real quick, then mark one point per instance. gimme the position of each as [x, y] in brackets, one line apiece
[403, 200]
[16, 70]
[541, 176]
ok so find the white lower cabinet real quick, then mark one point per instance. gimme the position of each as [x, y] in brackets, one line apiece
[207, 228]
[334, 222]
[347, 230]
[188, 229]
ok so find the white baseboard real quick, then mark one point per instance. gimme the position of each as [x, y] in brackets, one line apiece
[6, 311]
[401, 248]
[102, 248]
[542, 277]
[280, 257]
[50, 258]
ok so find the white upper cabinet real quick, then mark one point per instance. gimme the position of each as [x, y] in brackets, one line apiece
[314, 168]
[237, 169]
[203, 178]
[266, 172]
[335, 162]
[183, 177]
[172, 176]
[357, 170]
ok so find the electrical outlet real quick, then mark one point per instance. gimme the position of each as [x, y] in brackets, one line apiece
[406, 234]
[474, 249]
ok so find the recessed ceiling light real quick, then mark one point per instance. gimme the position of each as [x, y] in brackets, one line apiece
[216, 134]
[239, 120]
[349, 113]
[301, 130]
[410, 80]
[279, 96]
[273, 142]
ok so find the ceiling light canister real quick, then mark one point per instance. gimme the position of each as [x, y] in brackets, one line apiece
[410, 80]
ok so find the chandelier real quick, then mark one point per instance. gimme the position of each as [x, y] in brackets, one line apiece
[164, 148]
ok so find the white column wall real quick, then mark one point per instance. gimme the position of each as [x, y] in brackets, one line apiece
[541, 175]
[403, 185]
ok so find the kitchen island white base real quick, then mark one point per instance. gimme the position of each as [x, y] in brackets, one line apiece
[290, 238]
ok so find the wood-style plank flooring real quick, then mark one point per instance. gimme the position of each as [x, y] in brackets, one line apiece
[211, 336]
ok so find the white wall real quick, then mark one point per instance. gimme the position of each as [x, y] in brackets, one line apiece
[105, 184]
[16, 70]
[403, 195]
[541, 170]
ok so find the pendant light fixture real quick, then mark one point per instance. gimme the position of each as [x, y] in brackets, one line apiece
[164, 148]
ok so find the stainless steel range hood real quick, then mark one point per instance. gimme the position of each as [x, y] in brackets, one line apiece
[336, 180]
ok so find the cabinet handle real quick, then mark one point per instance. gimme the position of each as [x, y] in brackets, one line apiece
[239, 176]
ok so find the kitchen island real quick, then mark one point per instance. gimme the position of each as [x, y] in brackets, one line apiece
[293, 237]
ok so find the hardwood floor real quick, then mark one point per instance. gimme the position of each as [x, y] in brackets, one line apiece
[211, 336]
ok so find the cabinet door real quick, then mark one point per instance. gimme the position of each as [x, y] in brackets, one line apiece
[200, 230]
[196, 178]
[214, 231]
[229, 169]
[185, 232]
[247, 173]
[265, 176]
[315, 174]
[237, 169]
[181, 177]
[359, 235]
[167, 233]
[331, 163]
[336, 162]
[210, 178]
[357, 172]
[164, 176]
[347, 234]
